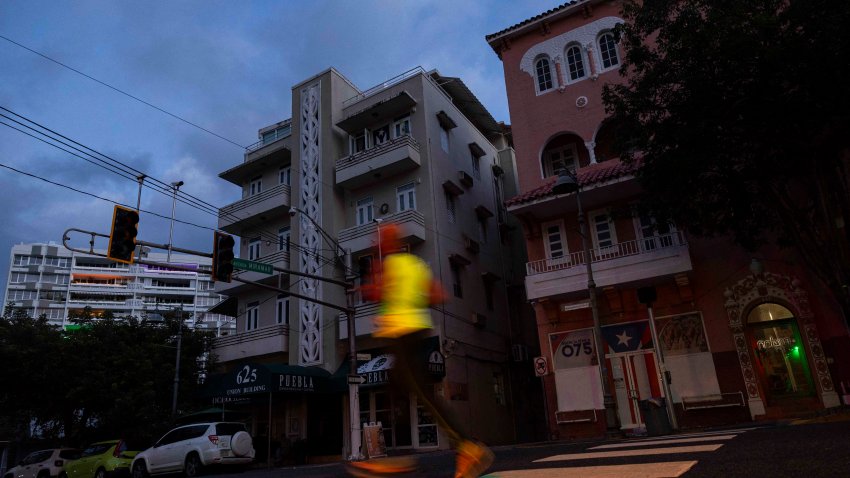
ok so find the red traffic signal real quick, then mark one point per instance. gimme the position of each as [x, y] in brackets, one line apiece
[222, 260]
[122, 236]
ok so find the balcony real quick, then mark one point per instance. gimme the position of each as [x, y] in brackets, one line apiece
[255, 210]
[264, 341]
[622, 263]
[364, 317]
[395, 156]
[359, 238]
[278, 259]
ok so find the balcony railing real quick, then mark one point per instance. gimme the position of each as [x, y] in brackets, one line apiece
[370, 153]
[622, 249]
[281, 132]
[262, 341]
[249, 201]
[370, 229]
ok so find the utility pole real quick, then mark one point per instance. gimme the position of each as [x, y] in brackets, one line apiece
[174, 187]
[177, 362]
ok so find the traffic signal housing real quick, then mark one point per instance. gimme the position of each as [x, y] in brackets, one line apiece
[122, 236]
[222, 260]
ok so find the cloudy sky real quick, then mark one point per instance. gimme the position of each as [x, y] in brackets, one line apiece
[226, 66]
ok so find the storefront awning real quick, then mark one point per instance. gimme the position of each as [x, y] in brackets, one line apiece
[250, 379]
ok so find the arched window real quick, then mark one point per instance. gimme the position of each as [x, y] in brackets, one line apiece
[575, 63]
[608, 50]
[544, 75]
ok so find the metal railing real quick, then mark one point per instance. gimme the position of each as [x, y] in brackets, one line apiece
[622, 249]
[280, 132]
[383, 86]
[378, 150]
[251, 335]
[226, 211]
[371, 228]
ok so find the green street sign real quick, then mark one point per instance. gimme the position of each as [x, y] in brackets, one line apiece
[253, 266]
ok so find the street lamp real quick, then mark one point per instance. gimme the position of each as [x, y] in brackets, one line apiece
[568, 183]
[344, 257]
[174, 187]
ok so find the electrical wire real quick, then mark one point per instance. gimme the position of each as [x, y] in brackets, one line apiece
[122, 92]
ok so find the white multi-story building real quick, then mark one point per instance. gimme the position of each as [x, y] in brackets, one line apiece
[49, 280]
[420, 151]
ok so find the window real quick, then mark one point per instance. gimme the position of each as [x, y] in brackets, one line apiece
[559, 160]
[457, 286]
[283, 239]
[655, 235]
[575, 63]
[608, 50]
[482, 230]
[450, 207]
[256, 186]
[365, 211]
[254, 249]
[476, 166]
[603, 231]
[282, 309]
[252, 316]
[401, 127]
[554, 241]
[380, 135]
[444, 139]
[544, 75]
[358, 142]
[286, 175]
[406, 197]
[364, 272]
[499, 388]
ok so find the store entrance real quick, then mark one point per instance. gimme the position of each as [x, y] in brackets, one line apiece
[392, 410]
[780, 357]
[635, 379]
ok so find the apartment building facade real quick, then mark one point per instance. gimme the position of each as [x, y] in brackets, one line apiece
[47, 279]
[420, 151]
[740, 336]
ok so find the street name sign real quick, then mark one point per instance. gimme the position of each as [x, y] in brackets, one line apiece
[253, 266]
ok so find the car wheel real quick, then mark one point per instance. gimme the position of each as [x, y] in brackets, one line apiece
[61, 475]
[44, 474]
[100, 473]
[139, 470]
[193, 466]
[241, 444]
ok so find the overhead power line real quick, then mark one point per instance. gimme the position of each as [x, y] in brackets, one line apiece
[122, 92]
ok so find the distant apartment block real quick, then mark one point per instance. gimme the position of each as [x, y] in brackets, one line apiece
[49, 280]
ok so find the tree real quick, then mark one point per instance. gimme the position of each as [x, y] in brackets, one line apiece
[740, 115]
[111, 377]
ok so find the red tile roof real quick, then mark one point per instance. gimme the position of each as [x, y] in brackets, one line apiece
[587, 176]
[532, 19]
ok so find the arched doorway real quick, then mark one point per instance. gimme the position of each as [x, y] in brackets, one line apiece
[778, 353]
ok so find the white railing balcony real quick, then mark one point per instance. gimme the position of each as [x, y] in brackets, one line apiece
[411, 224]
[622, 263]
[262, 341]
[246, 212]
[369, 166]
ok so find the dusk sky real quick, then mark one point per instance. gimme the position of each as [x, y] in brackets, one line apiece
[226, 66]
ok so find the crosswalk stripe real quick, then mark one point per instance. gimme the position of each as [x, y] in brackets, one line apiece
[639, 470]
[622, 453]
[670, 441]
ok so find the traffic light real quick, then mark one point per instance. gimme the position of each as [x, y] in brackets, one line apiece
[222, 260]
[122, 237]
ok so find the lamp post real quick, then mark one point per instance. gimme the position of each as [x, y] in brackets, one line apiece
[344, 257]
[174, 187]
[567, 183]
[177, 362]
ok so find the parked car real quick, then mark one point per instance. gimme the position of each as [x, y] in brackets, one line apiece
[104, 459]
[190, 448]
[43, 464]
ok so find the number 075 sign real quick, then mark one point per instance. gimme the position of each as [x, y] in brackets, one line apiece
[572, 349]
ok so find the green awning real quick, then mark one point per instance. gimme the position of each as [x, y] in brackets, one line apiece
[249, 379]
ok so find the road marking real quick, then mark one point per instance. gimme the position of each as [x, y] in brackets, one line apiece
[670, 441]
[622, 453]
[700, 434]
[639, 470]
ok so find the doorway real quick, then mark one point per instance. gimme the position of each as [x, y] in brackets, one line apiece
[635, 379]
[393, 411]
[780, 357]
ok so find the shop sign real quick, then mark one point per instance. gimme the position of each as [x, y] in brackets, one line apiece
[628, 337]
[771, 342]
[375, 378]
[295, 383]
[436, 363]
[573, 349]
[248, 379]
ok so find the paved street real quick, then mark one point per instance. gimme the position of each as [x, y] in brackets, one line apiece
[776, 450]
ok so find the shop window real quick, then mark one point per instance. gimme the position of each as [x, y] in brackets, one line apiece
[779, 352]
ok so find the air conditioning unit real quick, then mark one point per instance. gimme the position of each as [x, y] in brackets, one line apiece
[464, 178]
[472, 245]
[479, 320]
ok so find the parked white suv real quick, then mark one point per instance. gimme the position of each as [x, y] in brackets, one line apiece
[43, 464]
[190, 448]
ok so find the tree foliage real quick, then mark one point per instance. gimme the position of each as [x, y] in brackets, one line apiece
[109, 378]
[742, 121]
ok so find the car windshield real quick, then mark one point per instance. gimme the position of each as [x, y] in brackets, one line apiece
[229, 428]
[97, 449]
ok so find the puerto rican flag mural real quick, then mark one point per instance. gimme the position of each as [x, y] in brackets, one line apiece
[628, 337]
